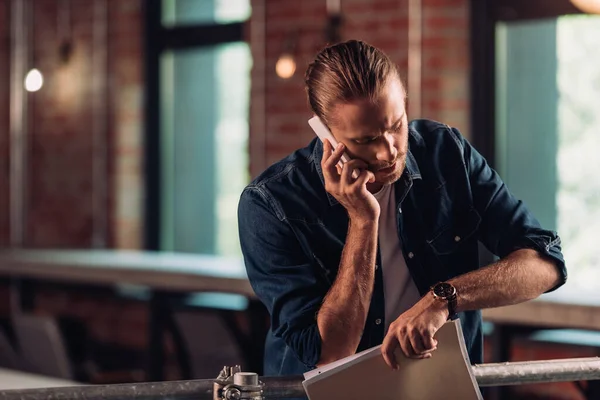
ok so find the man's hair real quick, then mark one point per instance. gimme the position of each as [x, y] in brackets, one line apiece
[344, 72]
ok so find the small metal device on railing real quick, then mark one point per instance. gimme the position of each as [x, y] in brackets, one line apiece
[233, 384]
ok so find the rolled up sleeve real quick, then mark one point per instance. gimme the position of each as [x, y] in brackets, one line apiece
[507, 225]
[280, 273]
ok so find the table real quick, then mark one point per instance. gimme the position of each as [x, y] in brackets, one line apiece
[11, 379]
[565, 308]
[158, 270]
[568, 308]
[165, 274]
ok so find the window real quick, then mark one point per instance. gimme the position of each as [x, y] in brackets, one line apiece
[203, 81]
[194, 12]
[548, 130]
[204, 146]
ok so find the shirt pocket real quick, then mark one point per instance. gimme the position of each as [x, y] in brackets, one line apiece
[459, 230]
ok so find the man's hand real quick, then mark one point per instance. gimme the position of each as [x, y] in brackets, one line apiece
[413, 331]
[352, 193]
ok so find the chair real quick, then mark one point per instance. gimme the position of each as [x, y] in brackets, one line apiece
[8, 356]
[41, 346]
[210, 344]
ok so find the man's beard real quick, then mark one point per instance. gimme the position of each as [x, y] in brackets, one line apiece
[393, 177]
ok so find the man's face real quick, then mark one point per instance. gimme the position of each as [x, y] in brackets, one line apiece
[375, 131]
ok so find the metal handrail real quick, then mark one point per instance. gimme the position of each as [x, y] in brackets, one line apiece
[501, 374]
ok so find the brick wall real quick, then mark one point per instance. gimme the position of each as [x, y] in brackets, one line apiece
[66, 205]
[446, 62]
[383, 23]
[60, 185]
[59, 188]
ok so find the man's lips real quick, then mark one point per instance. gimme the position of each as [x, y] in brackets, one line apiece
[387, 169]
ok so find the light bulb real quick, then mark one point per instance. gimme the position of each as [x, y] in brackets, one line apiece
[34, 80]
[588, 6]
[286, 66]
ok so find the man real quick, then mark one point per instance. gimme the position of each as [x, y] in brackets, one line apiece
[343, 263]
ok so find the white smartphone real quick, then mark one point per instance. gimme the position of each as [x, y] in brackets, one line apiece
[323, 133]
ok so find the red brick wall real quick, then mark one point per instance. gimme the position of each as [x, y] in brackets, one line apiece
[4, 116]
[285, 104]
[63, 200]
[60, 192]
[446, 62]
[383, 23]
[59, 189]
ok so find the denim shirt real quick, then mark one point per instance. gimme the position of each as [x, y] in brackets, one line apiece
[292, 234]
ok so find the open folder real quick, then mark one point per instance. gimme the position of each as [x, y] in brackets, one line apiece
[365, 375]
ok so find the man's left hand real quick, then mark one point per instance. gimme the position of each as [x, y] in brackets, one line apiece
[413, 331]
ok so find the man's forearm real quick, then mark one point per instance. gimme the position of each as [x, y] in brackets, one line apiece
[522, 275]
[342, 316]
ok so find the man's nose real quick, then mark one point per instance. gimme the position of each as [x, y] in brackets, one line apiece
[387, 151]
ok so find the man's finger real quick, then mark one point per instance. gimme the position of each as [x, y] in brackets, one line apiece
[330, 159]
[327, 149]
[429, 343]
[334, 157]
[364, 177]
[407, 348]
[414, 336]
[350, 166]
[387, 350]
[427, 353]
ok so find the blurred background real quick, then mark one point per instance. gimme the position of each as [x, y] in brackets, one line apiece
[128, 129]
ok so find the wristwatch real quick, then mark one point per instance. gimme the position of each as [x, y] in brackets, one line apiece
[444, 291]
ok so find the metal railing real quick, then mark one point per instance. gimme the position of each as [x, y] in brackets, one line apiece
[501, 374]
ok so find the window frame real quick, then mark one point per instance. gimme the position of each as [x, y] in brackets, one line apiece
[158, 39]
[484, 14]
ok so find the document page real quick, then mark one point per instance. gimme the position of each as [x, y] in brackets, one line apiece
[447, 374]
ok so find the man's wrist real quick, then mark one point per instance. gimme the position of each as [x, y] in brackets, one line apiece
[439, 306]
[446, 295]
[363, 223]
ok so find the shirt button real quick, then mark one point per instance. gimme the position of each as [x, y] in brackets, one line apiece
[376, 266]
[378, 321]
[457, 238]
[411, 255]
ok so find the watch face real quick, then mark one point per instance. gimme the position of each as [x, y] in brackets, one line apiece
[444, 290]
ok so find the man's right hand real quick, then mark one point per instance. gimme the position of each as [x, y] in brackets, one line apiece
[352, 193]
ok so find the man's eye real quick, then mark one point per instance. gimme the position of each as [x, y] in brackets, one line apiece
[365, 141]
